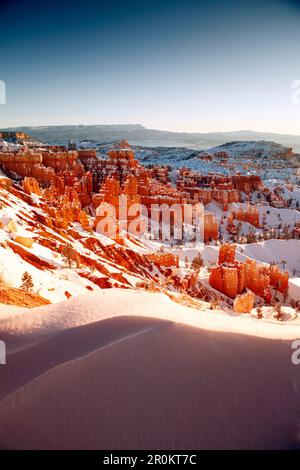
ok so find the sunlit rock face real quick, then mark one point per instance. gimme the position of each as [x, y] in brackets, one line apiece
[231, 277]
[21, 164]
[14, 135]
[211, 227]
[244, 303]
[222, 189]
[227, 253]
[51, 170]
[50, 167]
[31, 185]
[164, 259]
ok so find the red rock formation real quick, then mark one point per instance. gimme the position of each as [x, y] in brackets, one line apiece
[22, 164]
[258, 280]
[216, 278]
[14, 135]
[211, 227]
[30, 257]
[60, 161]
[51, 167]
[31, 185]
[227, 253]
[250, 215]
[247, 183]
[279, 280]
[232, 278]
[223, 189]
[164, 259]
[230, 281]
[5, 183]
[84, 221]
[160, 173]
[244, 303]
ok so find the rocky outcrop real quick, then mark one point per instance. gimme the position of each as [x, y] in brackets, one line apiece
[227, 253]
[231, 277]
[21, 298]
[244, 303]
[222, 189]
[164, 259]
[31, 185]
[250, 215]
[211, 227]
[30, 257]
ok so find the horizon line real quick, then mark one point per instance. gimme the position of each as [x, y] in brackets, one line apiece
[149, 128]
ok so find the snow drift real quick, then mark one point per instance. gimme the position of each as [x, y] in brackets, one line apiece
[123, 369]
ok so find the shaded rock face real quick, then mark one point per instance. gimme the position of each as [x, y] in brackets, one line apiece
[231, 277]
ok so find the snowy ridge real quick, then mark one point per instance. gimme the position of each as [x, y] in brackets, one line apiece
[151, 354]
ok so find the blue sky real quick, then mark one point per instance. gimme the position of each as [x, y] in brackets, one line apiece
[193, 66]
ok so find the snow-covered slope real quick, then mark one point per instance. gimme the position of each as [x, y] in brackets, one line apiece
[238, 152]
[103, 263]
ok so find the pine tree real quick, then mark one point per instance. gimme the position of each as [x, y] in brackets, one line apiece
[70, 255]
[27, 282]
[197, 263]
[259, 313]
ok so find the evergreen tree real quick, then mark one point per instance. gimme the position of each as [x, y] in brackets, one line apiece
[70, 255]
[27, 282]
[197, 263]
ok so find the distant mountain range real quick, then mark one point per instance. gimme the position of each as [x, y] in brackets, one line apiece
[137, 134]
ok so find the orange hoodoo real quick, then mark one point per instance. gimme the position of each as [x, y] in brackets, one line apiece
[279, 280]
[232, 277]
[227, 253]
[230, 281]
[211, 227]
[31, 185]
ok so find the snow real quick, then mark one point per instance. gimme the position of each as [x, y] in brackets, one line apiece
[31, 326]
[273, 216]
[104, 371]
[294, 288]
[275, 251]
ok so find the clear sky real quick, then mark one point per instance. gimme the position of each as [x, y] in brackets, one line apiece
[182, 65]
